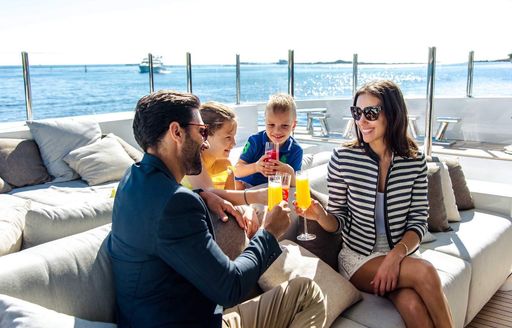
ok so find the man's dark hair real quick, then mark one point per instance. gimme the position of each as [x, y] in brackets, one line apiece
[154, 113]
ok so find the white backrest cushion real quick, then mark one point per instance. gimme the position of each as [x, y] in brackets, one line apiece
[72, 275]
[12, 222]
[56, 138]
[46, 223]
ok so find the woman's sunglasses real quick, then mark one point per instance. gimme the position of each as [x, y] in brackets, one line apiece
[203, 129]
[371, 113]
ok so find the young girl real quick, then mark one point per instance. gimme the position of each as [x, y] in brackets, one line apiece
[378, 202]
[217, 173]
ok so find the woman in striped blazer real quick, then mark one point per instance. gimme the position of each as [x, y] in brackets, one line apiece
[378, 202]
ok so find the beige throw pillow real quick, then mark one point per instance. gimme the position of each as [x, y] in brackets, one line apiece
[102, 161]
[133, 152]
[296, 261]
[12, 223]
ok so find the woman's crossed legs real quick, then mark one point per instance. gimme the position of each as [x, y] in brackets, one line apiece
[419, 295]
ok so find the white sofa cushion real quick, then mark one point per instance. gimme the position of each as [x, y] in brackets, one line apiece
[12, 221]
[455, 275]
[72, 275]
[47, 223]
[102, 161]
[56, 138]
[296, 261]
[16, 313]
[65, 193]
[483, 239]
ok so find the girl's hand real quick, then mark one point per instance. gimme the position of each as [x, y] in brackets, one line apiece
[386, 278]
[314, 212]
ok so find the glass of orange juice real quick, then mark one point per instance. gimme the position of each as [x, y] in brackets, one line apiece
[303, 198]
[275, 191]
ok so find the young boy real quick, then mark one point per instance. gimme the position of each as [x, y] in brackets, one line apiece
[254, 166]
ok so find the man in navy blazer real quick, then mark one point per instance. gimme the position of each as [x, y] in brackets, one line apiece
[168, 269]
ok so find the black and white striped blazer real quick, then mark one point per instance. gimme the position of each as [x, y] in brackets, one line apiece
[352, 179]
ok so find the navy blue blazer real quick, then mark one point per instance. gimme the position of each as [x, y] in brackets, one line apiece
[168, 269]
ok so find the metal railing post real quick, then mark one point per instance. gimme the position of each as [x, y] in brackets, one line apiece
[291, 73]
[151, 80]
[469, 85]
[431, 74]
[237, 79]
[26, 80]
[189, 73]
[354, 74]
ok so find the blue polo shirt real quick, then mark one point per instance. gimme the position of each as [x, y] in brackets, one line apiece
[290, 153]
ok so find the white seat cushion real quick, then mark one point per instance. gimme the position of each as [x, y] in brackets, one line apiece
[484, 239]
[16, 313]
[65, 193]
[455, 275]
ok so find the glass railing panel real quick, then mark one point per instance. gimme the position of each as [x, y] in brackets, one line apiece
[323, 81]
[492, 79]
[12, 92]
[84, 89]
[215, 82]
[260, 80]
[412, 78]
[170, 77]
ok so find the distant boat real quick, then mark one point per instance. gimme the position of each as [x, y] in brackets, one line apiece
[158, 66]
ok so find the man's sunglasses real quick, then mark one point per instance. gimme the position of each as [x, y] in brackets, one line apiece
[371, 113]
[203, 129]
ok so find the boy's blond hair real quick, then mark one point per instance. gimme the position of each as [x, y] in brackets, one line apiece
[281, 103]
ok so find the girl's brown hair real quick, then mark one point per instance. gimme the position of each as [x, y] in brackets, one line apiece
[215, 114]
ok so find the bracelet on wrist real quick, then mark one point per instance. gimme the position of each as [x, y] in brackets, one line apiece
[245, 197]
[405, 247]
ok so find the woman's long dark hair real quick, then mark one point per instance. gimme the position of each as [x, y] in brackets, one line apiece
[395, 109]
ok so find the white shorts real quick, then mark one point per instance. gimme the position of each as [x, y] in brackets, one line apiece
[350, 261]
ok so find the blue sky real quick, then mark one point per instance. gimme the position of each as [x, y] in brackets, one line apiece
[124, 31]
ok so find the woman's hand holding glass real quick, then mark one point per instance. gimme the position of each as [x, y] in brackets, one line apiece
[314, 212]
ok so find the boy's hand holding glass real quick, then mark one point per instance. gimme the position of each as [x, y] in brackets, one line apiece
[265, 166]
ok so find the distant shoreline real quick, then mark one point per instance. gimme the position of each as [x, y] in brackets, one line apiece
[280, 62]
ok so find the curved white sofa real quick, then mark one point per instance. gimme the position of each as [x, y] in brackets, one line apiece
[72, 275]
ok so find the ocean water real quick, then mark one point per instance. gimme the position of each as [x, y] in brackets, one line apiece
[59, 91]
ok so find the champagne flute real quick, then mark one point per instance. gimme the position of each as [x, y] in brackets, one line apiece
[275, 191]
[303, 198]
